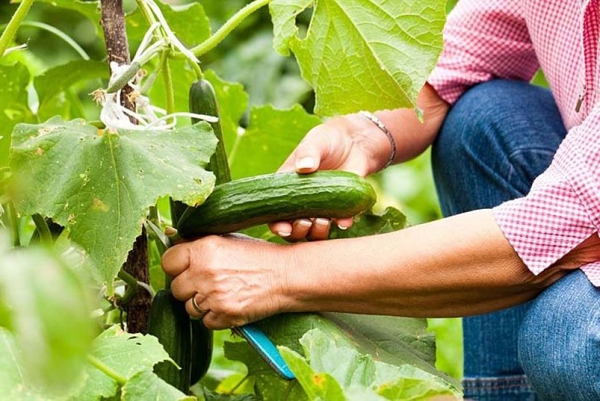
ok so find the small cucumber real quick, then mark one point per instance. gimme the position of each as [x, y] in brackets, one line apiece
[203, 100]
[202, 348]
[248, 202]
[169, 322]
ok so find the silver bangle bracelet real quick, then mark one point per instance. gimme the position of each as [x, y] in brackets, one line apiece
[385, 130]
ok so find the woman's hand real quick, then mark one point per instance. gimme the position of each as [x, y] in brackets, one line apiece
[234, 281]
[351, 143]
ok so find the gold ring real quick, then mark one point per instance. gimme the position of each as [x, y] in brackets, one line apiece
[198, 308]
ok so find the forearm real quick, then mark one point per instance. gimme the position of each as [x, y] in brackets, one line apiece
[412, 136]
[457, 266]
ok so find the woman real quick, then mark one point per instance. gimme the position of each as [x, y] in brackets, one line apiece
[504, 242]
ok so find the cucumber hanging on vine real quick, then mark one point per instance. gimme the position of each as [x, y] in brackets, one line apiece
[169, 322]
[203, 100]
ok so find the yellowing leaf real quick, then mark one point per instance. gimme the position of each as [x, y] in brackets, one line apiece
[101, 186]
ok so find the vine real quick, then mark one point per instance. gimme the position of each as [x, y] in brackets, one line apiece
[13, 26]
[228, 27]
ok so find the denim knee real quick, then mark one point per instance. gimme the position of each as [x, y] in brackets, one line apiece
[559, 341]
[507, 131]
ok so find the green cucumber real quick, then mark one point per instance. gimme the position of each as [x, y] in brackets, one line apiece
[252, 201]
[203, 100]
[169, 322]
[202, 348]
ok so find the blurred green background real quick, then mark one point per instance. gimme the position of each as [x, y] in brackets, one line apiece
[247, 57]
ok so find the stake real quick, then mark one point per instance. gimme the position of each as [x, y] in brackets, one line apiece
[115, 35]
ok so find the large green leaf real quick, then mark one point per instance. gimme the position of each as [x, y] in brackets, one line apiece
[189, 23]
[13, 103]
[400, 346]
[100, 184]
[269, 139]
[320, 386]
[233, 103]
[145, 385]
[50, 316]
[13, 385]
[363, 54]
[124, 353]
[332, 369]
[52, 83]
[266, 383]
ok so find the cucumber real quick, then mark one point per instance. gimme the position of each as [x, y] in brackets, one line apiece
[252, 201]
[169, 322]
[203, 100]
[202, 348]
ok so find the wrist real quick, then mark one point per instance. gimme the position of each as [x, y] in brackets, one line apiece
[377, 144]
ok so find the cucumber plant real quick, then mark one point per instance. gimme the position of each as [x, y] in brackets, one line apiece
[88, 189]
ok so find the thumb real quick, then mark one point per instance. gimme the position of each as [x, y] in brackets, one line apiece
[310, 153]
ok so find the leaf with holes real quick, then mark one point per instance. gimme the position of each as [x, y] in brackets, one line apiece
[100, 184]
[123, 353]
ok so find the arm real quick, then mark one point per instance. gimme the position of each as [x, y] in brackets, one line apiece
[353, 143]
[458, 266]
[482, 41]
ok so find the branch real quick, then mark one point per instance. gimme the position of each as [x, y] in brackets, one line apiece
[115, 36]
[43, 230]
[229, 26]
[102, 367]
[13, 26]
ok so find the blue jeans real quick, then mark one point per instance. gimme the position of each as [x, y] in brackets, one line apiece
[495, 141]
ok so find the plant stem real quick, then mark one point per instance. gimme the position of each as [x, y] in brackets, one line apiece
[168, 82]
[229, 26]
[43, 229]
[154, 216]
[60, 34]
[14, 224]
[13, 26]
[147, 13]
[101, 366]
[238, 384]
[132, 287]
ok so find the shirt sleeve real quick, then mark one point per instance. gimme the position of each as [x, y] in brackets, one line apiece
[563, 207]
[483, 39]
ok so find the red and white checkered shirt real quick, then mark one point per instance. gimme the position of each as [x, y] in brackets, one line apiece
[512, 39]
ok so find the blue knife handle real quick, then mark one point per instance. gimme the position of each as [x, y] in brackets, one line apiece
[266, 349]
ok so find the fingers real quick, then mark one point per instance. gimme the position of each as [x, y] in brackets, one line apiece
[219, 321]
[344, 224]
[281, 228]
[319, 230]
[183, 286]
[300, 229]
[308, 155]
[191, 309]
[177, 259]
